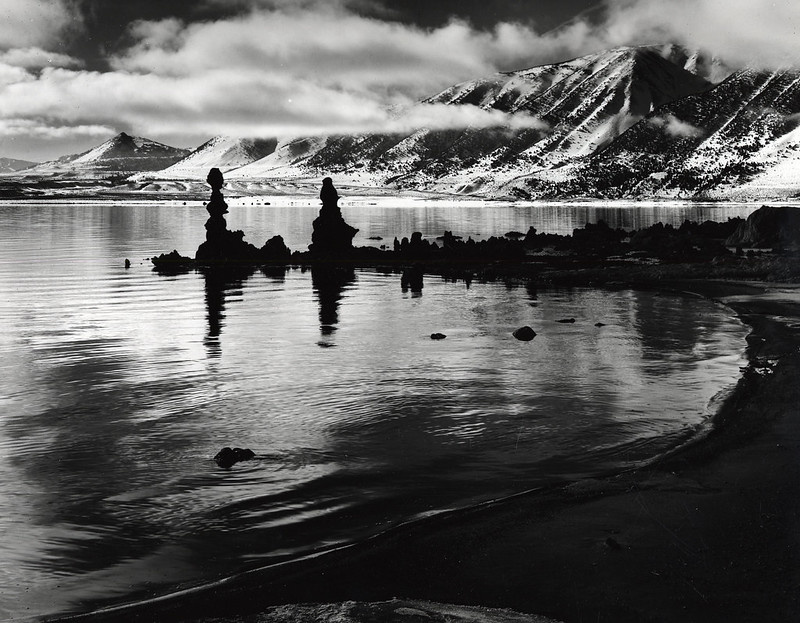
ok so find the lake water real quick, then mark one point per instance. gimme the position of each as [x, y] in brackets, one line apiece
[117, 387]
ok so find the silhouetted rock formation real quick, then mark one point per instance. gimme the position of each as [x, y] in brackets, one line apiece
[768, 227]
[223, 246]
[227, 457]
[332, 236]
[172, 263]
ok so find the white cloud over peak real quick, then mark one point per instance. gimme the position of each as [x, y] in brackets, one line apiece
[287, 67]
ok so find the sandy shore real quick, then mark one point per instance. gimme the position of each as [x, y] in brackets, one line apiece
[710, 533]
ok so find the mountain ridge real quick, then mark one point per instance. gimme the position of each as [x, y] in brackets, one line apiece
[120, 154]
[655, 121]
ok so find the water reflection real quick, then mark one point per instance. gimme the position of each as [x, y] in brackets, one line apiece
[329, 283]
[217, 284]
[111, 410]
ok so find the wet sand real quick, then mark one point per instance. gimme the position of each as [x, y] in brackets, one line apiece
[709, 533]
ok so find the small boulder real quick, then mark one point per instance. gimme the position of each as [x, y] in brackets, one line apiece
[438, 336]
[227, 457]
[524, 334]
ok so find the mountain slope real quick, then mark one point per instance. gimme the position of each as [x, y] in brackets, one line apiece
[739, 140]
[120, 154]
[583, 105]
[12, 165]
[224, 153]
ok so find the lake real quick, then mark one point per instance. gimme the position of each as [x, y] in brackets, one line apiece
[117, 388]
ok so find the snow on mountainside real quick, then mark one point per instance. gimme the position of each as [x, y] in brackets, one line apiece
[739, 140]
[583, 105]
[120, 154]
[12, 165]
[222, 152]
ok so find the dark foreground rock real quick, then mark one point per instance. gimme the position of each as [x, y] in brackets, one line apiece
[228, 457]
[769, 227]
[524, 334]
[332, 236]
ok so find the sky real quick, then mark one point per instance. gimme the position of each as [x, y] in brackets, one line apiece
[73, 73]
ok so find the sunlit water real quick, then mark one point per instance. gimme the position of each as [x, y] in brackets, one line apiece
[117, 387]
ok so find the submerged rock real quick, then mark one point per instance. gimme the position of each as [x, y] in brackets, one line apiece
[566, 320]
[524, 334]
[438, 336]
[227, 457]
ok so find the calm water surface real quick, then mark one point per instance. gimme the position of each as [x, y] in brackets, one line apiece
[117, 387]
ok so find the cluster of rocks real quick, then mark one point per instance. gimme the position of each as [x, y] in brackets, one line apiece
[332, 241]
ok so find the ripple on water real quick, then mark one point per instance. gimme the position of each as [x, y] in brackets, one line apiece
[118, 387]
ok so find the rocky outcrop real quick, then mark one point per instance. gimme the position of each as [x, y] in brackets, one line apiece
[768, 227]
[223, 246]
[332, 236]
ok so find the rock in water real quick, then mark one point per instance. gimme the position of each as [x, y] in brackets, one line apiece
[227, 457]
[438, 336]
[524, 334]
[332, 236]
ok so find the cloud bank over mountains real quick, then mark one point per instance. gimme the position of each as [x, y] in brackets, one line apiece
[288, 67]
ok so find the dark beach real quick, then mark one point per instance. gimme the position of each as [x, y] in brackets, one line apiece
[707, 533]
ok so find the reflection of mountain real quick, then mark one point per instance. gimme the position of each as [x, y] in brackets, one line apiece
[670, 328]
[329, 284]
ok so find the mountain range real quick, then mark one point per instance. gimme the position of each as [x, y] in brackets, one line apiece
[631, 122]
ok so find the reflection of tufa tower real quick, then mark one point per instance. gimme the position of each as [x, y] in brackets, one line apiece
[331, 235]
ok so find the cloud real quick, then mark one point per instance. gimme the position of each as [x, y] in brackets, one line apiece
[37, 58]
[675, 127]
[15, 128]
[35, 23]
[289, 67]
[742, 32]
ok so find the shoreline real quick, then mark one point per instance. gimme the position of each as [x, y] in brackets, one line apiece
[652, 544]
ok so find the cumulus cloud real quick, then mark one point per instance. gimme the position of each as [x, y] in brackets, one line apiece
[35, 23]
[675, 127]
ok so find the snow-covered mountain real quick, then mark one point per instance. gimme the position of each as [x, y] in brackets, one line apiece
[651, 121]
[739, 140]
[12, 165]
[222, 152]
[120, 154]
[582, 106]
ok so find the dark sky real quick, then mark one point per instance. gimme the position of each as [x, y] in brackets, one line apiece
[106, 21]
